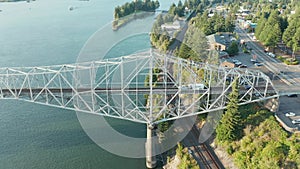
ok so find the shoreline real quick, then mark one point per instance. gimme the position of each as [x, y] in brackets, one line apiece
[117, 24]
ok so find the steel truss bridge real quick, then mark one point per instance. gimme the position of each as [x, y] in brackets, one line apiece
[146, 87]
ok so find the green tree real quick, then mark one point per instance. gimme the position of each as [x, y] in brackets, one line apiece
[196, 40]
[296, 40]
[172, 9]
[184, 51]
[117, 12]
[290, 31]
[233, 49]
[213, 57]
[260, 26]
[229, 128]
[229, 23]
[273, 35]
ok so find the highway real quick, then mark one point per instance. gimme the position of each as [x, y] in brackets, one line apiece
[290, 75]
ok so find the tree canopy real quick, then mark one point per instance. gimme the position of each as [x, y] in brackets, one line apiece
[229, 128]
[138, 5]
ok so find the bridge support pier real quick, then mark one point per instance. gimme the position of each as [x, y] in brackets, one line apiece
[150, 147]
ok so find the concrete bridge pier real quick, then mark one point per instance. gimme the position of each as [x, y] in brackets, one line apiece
[150, 147]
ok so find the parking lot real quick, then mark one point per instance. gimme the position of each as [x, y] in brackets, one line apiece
[244, 59]
[289, 104]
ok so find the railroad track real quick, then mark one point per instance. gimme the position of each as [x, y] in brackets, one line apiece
[206, 158]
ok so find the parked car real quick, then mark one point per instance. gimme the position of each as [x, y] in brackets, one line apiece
[235, 60]
[297, 121]
[290, 114]
[253, 60]
[258, 64]
[271, 54]
[238, 63]
[243, 66]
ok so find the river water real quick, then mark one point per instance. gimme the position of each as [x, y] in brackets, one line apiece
[46, 32]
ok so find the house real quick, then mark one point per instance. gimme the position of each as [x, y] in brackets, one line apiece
[172, 27]
[217, 42]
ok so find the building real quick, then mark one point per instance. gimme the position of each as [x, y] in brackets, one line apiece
[172, 27]
[218, 42]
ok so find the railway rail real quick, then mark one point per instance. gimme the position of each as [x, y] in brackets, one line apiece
[206, 158]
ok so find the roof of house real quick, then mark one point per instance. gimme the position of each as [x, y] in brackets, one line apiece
[215, 38]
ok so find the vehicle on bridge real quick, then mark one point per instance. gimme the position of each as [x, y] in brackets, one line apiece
[197, 86]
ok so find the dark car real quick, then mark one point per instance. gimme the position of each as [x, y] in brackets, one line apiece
[292, 95]
[243, 66]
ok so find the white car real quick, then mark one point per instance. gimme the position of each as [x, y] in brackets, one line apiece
[253, 60]
[238, 63]
[297, 121]
[235, 60]
[290, 114]
[258, 64]
[271, 54]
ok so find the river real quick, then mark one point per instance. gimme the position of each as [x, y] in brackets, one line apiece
[46, 32]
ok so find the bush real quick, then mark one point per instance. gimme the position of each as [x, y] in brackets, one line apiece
[291, 61]
[288, 61]
[230, 150]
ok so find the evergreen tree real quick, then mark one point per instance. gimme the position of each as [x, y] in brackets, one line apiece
[213, 57]
[296, 40]
[273, 36]
[197, 41]
[260, 26]
[229, 128]
[233, 49]
[184, 51]
[229, 23]
[290, 31]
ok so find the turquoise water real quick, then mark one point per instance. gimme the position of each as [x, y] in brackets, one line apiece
[46, 32]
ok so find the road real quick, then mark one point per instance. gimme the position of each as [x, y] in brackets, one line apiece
[289, 104]
[290, 75]
[179, 38]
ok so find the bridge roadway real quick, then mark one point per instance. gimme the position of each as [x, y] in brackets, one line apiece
[140, 90]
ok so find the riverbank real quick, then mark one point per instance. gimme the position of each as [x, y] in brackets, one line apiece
[118, 23]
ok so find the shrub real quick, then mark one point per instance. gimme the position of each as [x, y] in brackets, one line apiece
[230, 150]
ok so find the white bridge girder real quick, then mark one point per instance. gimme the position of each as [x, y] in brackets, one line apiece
[120, 88]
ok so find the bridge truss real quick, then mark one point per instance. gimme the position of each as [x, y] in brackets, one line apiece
[146, 87]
